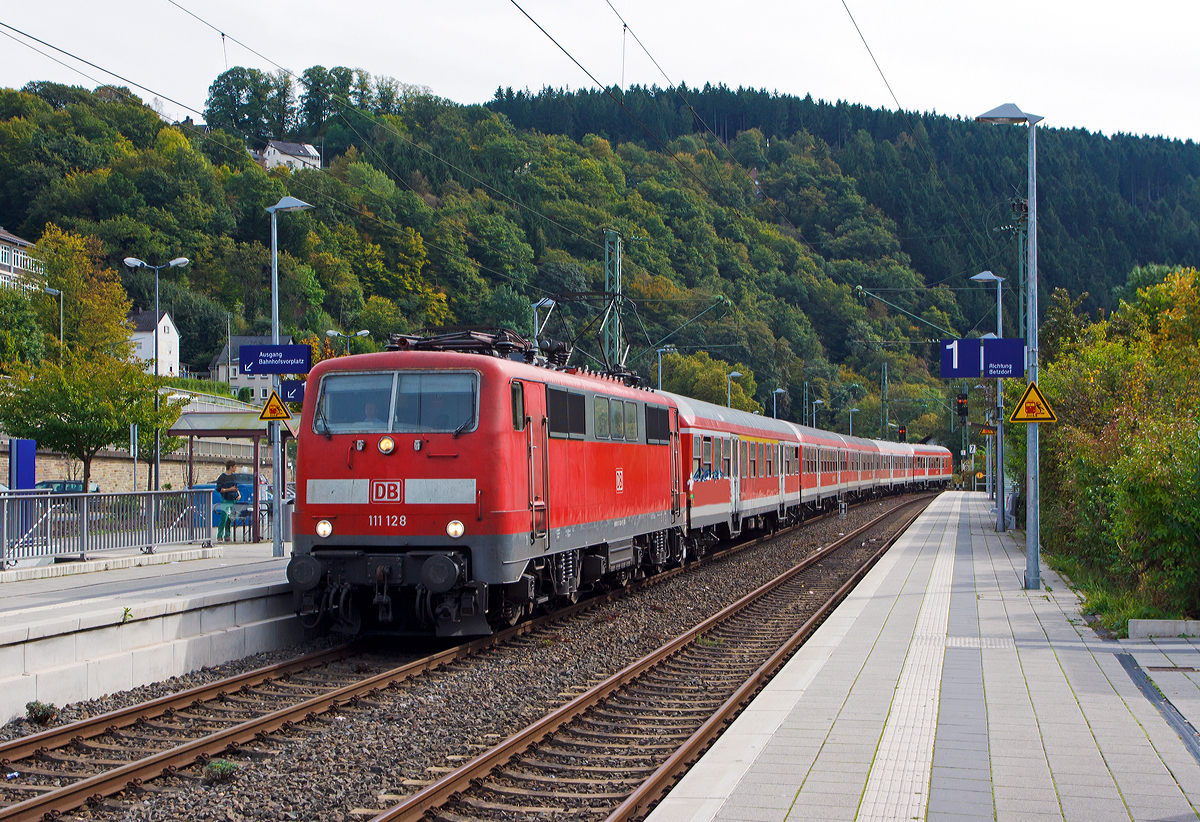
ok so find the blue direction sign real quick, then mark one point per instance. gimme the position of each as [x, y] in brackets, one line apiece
[1004, 357]
[291, 390]
[960, 359]
[274, 359]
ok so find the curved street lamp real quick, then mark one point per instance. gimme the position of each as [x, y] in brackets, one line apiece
[814, 414]
[284, 204]
[729, 378]
[1009, 114]
[774, 397]
[670, 349]
[852, 410]
[134, 262]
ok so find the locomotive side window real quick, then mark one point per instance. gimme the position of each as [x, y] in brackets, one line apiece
[566, 411]
[518, 406]
[631, 421]
[600, 409]
[618, 419]
[353, 403]
[658, 425]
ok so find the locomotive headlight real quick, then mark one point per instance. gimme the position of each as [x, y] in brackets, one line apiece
[324, 528]
[455, 529]
[386, 445]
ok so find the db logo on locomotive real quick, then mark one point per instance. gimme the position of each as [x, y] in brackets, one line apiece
[387, 490]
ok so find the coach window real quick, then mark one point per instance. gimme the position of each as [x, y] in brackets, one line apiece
[770, 460]
[745, 461]
[726, 457]
[706, 456]
[518, 406]
[695, 457]
[601, 413]
[631, 421]
[617, 415]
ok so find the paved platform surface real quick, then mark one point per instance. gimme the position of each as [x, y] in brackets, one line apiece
[187, 572]
[942, 689]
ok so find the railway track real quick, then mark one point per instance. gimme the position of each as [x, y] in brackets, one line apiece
[613, 751]
[61, 769]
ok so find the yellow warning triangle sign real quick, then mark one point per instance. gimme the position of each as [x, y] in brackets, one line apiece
[1033, 407]
[275, 409]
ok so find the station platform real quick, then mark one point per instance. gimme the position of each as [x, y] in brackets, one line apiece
[942, 689]
[75, 631]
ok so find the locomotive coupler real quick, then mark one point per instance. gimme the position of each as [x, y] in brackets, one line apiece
[382, 600]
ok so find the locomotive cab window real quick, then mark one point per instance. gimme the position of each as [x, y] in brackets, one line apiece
[631, 421]
[435, 402]
[352, 403]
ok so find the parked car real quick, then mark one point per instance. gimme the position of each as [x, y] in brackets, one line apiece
[66, 486]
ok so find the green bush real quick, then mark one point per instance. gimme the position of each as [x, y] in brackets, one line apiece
[40, 713]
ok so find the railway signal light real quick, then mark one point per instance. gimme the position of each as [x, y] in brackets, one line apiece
[961, 405]
[902, 434]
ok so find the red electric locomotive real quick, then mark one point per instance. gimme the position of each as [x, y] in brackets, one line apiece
[453, 484]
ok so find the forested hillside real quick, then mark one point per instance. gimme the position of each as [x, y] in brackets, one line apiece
[430, 213]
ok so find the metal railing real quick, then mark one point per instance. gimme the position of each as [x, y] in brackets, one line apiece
[36, 525]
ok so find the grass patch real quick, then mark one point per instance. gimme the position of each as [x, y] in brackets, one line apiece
[1112, 604]
[220, 770]
[40, 713]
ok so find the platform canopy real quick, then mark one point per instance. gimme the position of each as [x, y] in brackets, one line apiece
[227, 424]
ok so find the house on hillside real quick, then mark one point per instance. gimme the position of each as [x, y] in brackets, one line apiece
[226, 367]
[17, 268]
[293, 155]
[168, 341]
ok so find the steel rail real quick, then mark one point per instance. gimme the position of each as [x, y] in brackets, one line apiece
[661, 781]
[414, 807]
[124, 717]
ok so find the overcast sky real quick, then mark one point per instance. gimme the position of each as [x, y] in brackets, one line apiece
[1103, 66]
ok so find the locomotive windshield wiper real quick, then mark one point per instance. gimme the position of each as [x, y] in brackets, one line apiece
[465, 423]
[324, 422]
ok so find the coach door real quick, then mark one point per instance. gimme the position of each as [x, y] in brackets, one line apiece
[675, 477]
[735, 482]
[537, 448]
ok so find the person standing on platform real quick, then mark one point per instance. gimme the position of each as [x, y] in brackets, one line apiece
[228, 489]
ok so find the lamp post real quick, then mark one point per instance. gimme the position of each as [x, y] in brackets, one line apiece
[987, 277]
[1009, 114]
[670, 349]
[729, 378]
[774, 399]
[851, 432]
[891, 425]
[988, 463]
[54, 292]
[333, 332]
[284, 204]
[134, 262]
[815, 403]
